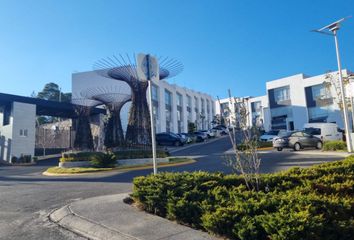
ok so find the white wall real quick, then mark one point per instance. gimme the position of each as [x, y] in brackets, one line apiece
[24, 117]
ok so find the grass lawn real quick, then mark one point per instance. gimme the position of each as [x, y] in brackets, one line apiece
[78, 170]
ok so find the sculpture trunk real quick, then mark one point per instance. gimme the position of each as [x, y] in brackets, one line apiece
[139, 129]
[83, 136]
[114, 136]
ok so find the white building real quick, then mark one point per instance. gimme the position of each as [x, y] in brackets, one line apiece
[173, 106]
[295, 100]
[17, 130]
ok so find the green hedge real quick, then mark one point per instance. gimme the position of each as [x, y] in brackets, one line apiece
[312, 203]
[334, 146]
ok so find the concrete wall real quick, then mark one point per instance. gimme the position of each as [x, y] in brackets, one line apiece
[24, 119]
[84, 80]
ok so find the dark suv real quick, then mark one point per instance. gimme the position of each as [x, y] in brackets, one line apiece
[296, 140]
[169, 139]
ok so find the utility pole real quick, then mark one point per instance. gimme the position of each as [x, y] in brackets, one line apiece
[332, 30]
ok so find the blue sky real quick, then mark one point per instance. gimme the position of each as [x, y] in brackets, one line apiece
[223, 44]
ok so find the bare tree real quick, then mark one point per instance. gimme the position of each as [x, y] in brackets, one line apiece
[332, 83]
[245, 159]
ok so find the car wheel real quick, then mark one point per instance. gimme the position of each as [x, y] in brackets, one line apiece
[297, 146]
[280, 149]
[319, 145]
[177, 144]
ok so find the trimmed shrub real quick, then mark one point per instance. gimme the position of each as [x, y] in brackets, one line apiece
[106, 160]
[311, 203]
[78, 156]
[334, 146]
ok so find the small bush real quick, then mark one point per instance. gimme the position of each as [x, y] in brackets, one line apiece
[334, 146]
[106, 160]
[22, 159]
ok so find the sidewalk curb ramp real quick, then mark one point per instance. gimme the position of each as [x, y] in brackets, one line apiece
[67, 219]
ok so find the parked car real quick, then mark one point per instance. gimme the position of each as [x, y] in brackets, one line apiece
[269, 136]
[324, 131]
[169, 139]
[201, 136]
[220, 130]
[296, 140]
[209, 133]
[187, 138]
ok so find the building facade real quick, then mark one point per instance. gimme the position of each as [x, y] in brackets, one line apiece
[292, 101]
[173, 106]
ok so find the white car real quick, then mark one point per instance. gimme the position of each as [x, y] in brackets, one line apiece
[210, 133]
[324, 131]
[269, 136]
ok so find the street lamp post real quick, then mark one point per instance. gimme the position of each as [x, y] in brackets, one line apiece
[149, 68]
[332, 30]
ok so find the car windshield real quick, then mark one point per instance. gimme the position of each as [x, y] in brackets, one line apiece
[173, 134]
[284, 134]
[272, 132]
[313, 131]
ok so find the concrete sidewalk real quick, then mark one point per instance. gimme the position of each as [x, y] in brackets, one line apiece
[108, 217]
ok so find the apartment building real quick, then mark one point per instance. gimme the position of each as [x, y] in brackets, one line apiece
[292, 101]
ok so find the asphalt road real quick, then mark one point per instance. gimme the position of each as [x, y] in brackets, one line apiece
[27, 197]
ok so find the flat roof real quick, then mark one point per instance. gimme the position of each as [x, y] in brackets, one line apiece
[47, 107]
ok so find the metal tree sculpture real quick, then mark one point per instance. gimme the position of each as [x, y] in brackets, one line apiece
[83, 134]
[125, 69]
[114, 98]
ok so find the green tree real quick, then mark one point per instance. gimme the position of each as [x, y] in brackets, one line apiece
[191, 127]
[51, 92]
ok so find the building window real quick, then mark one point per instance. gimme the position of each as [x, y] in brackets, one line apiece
[168, 110]
[168, 97]
[179, 99]
[6, 115]
[196, 105]
[321, 95]
[282, 94]
[189, 108]
[23, 132]
[154, 94]
[179, 113]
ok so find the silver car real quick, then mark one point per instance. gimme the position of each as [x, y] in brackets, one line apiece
[296, 140]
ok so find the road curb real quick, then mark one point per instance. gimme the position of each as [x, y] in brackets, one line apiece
[122, 170]
[67, 219]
